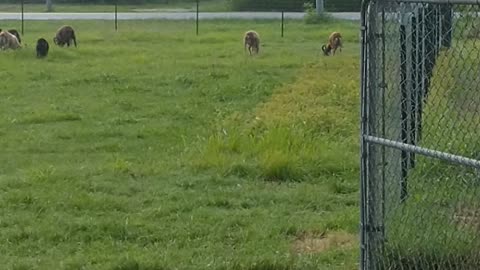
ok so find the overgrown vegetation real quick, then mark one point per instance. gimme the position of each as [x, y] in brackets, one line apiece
[267, 5]
[312, 17]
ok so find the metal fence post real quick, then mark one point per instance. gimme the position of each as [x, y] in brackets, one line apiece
[421, 71]
[430, 47]
[116, 15]
[404, 110]
[197, 17]
[446, 13]
[413, 86]
[283, 22]
[363, 142]
[23, 19]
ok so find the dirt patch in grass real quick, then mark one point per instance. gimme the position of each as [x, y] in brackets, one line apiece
[467, 216]
[308, 243]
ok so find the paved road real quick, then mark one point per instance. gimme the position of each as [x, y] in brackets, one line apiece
[167, 16]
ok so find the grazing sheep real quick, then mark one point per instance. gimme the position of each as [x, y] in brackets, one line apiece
[252, 41]
[64, 35]
[8, 41]
[42, 48]
[334, 43]
[15, 33]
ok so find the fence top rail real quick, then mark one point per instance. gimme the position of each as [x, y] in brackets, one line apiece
[465, 161]
[458, 2]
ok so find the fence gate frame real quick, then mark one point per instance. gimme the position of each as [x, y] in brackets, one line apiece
[434, 33]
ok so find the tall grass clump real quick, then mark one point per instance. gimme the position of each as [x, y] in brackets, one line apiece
[304, 131]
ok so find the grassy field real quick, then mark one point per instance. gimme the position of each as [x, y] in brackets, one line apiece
[205, 6]
[151, 148]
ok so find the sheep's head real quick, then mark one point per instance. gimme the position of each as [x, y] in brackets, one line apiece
[326, 50]
[3, 35]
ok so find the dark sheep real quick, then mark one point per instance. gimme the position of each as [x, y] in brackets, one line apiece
[15, 33]
[64, 36]
[252, 41]
[42, 48]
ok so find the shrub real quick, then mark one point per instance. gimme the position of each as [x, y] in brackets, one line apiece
[267, 5]
[311, 16]
[342, 5]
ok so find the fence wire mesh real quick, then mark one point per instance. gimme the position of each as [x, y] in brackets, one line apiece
[420, 120]
[178, 5]
[20, 13]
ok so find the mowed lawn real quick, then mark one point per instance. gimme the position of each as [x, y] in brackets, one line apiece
[152, 148]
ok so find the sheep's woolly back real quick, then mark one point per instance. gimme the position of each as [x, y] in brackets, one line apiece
[335, 39]
[252, 36]
[8, 41]
[334, 43]
[64, 35]
[252, 40]
[42, 47]
[252, 32]
[334, 35]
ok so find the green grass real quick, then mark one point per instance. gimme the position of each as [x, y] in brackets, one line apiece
[151, 148]
[205, 6]
[437, 226]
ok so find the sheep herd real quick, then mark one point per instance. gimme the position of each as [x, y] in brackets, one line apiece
[10, 39]
[65, 35]
[252, 42]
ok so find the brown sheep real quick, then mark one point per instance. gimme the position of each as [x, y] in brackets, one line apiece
[15, 33]
[8, 41]
[252, 41]
[334, 43]
[64, 35]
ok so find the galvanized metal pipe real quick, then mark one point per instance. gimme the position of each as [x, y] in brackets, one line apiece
[465, 161]
[363, 143]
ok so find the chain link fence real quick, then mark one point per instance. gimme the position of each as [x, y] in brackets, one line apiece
[420, 121]
[193, 10]
[176, 5]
